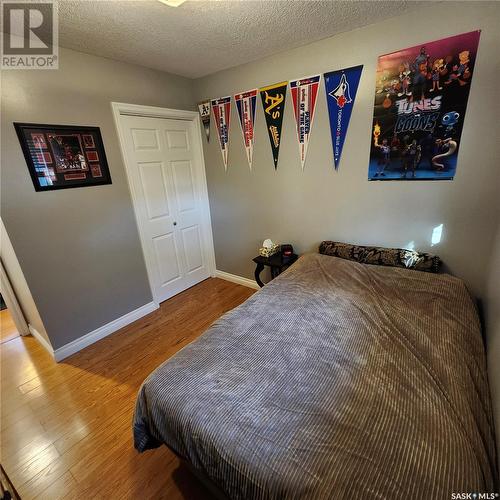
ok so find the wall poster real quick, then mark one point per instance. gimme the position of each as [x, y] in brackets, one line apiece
[245, 104]
[221, 109]
[420, 103]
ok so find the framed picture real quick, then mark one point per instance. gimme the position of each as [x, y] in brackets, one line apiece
[59, 156]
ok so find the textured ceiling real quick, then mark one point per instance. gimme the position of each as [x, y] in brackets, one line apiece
[202, 37]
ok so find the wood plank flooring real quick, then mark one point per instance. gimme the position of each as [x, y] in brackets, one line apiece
[66, 428]
[8, 330]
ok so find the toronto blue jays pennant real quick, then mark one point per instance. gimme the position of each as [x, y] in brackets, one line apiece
[204, 109]
[341, 87]
[245, 103]
[304, 94]
[221, 109]
[273, 102]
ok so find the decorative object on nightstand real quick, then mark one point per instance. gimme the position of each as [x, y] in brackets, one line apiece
[268, 248]
[278, 262]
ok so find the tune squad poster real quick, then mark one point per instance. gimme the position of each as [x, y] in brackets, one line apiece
[420, 103]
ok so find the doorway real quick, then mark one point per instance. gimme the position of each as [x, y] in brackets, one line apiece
[8, 329]
[166, 174]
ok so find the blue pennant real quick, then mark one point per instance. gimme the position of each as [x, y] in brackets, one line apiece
[341, 87]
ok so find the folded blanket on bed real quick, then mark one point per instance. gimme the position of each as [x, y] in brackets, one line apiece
[336, 380]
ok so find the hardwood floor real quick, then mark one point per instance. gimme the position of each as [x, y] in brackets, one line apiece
[8, 330]
[66, 428]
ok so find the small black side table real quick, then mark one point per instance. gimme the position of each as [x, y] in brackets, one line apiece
[276, 262]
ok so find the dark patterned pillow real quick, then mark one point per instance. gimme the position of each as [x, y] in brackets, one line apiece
[395, 257]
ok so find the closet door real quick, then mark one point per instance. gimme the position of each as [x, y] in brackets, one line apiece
[167, 200]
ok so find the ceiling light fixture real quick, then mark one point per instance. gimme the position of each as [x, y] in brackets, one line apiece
[172, 3]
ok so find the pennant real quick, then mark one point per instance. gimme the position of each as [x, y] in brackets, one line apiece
[245, 103]
[221, 109]
[204, 109]
[304, 93]
[341, 87]
[273, 102]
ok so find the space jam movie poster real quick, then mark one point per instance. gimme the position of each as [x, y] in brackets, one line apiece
[420, 103]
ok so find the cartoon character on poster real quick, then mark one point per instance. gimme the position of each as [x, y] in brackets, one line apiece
[245, 104]
[420, 103]
[221, 109]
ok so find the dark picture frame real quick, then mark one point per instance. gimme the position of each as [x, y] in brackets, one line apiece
[63, 156]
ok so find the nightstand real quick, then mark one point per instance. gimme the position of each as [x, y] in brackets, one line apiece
[276, 262]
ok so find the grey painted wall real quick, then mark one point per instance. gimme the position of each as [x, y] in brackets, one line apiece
[305, 207]
[79, 249]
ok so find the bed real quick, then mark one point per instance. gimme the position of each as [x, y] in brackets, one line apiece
[336, 380]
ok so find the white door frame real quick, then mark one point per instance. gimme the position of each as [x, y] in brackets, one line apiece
[12, 304]
[119, 109]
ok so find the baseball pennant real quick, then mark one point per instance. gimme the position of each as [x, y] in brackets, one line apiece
[304, 93]
[245, 103]
[204, 109]
[273, 102]
[221, 109]
[341, 87]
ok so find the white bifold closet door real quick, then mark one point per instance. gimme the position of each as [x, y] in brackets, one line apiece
[166, 188]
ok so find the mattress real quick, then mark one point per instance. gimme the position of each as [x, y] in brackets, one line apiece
[336, 380]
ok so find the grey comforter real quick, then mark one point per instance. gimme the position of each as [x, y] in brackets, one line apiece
[336, 380]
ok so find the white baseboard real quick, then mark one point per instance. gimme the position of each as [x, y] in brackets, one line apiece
[103, 331]
[237, 279]
[45, 344]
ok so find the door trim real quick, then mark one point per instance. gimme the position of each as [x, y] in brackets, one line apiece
[12, 303]
[119, 109]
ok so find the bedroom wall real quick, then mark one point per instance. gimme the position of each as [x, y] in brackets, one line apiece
[79, 249]
[305, 207]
